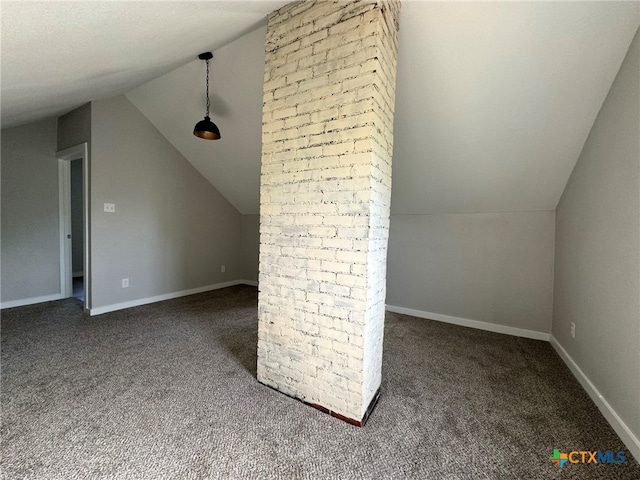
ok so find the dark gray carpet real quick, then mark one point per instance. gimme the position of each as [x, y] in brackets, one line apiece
[169, 391]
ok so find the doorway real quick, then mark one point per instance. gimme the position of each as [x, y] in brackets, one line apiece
[77, 229]
[75, 279]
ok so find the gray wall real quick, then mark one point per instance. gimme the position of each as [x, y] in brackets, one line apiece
[597, 262]
[490, 267]
[74, 127]
[30, 234]
[171, 231]
[250, 246]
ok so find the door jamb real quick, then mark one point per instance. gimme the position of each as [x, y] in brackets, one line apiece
[77, 152]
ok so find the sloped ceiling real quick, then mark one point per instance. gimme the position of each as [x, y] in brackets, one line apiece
[493, 100]
[176, 101]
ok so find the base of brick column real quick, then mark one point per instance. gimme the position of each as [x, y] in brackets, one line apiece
[357, 423]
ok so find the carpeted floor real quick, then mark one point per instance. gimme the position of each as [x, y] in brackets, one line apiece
[168, 391]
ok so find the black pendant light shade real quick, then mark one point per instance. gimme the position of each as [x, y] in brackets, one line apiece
[206, 128]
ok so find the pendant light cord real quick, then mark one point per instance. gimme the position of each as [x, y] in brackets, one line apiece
[207, 87]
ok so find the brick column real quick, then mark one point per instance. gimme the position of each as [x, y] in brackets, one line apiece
[327, 141]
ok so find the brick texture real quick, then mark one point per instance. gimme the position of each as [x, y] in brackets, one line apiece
[327, 142]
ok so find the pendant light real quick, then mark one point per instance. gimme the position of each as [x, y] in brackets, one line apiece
[206, 128]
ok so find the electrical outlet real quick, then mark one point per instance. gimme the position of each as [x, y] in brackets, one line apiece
[223, 268]
[573, 330]
[125, 283]
[110, 207]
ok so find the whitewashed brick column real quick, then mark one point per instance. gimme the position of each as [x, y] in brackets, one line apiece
[327, 141]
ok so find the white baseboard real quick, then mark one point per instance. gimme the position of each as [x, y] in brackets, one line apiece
[167, 296]
[465, 322]
[30, 301]
[626, 435]
[252, 283]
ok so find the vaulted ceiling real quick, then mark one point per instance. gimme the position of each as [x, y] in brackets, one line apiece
[494, 100]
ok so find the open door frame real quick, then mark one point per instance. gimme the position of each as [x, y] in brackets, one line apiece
[77, 152]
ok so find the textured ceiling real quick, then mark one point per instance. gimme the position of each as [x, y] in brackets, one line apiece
[493, 100]
[57, 55]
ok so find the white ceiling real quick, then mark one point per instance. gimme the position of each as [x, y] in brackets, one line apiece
[57, 55]
[231, 164]
[493, 100]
